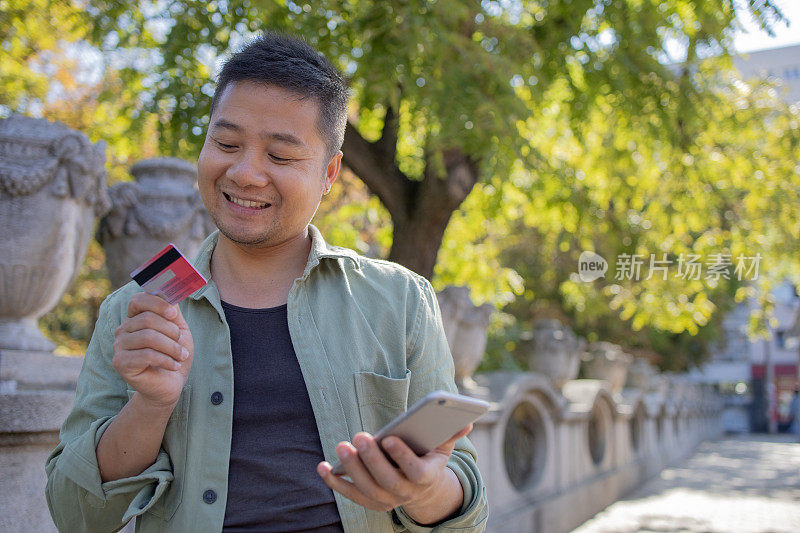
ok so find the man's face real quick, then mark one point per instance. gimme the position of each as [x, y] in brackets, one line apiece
[262, 169]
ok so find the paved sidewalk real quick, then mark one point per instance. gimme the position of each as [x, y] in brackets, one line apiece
[743, 484]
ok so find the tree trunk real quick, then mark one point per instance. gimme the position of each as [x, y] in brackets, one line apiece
[416, 240]
[420, 209]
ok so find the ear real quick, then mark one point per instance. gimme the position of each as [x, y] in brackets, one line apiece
[332, 171]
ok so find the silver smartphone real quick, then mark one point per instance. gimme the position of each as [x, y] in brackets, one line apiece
[430, 422]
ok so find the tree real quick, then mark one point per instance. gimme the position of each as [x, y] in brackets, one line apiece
[730, 189]
[419, 144]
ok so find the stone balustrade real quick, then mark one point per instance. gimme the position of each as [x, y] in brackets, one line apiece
[551, 460]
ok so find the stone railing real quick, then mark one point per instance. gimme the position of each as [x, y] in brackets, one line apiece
[554, 450]
[551, 460]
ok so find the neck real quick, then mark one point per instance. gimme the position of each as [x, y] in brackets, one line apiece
[258, 277]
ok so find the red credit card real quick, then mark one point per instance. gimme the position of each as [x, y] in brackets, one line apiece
[170, 275]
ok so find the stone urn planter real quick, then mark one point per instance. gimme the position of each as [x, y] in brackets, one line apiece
[162, 206]
[608, 362]
[466, 327]
[553, 350]
[52, 186]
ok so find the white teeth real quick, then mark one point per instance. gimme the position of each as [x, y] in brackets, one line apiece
[247, 203]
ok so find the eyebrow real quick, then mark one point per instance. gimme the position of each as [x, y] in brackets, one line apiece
[283, 137]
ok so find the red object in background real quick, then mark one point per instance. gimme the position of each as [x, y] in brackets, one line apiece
[760, 372]
[785, 381]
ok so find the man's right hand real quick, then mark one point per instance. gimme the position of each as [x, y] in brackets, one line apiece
[153, 349]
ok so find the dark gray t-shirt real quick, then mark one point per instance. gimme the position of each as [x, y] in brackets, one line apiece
[273, 483]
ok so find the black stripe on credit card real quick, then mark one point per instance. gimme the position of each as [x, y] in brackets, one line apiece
[169, 257]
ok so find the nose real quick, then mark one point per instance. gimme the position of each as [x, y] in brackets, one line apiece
[249, 169]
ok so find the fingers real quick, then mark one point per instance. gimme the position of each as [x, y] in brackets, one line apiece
[153, 340]
[141, 359]
[151, 335]
[381, 470]
[150, 320]
[376, 483]
[141, 302]
[449, 444]
[418, 470]
[362, 479]
[350, 490]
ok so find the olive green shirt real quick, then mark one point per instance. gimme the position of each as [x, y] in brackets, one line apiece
[369, 340]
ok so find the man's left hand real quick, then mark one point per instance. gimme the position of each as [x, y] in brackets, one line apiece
[376, 484]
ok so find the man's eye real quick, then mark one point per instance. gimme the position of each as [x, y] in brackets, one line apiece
[225, 146]
[279, 159]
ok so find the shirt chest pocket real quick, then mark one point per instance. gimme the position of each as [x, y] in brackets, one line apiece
[175, 443]
[380, 398]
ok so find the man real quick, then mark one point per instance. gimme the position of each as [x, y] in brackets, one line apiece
[226, 411]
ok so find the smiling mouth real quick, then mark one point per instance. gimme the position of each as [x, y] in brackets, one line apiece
[246, 203]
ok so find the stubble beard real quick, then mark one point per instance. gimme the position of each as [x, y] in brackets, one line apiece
[265, 237]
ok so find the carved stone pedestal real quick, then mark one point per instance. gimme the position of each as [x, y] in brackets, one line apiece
[606, 361]
[38, 394]
[52, 187]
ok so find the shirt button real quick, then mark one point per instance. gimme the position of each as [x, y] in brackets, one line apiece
[143, 505]
[216, 398]
[209, 496]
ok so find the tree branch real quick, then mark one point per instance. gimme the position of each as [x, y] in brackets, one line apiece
[461, 175]
[388, 141]
[368, 162]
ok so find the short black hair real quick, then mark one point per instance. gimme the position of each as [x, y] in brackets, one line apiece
[290, 63]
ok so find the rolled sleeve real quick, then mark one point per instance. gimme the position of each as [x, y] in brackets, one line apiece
[76, 496]
[473, 513]
[432, 368]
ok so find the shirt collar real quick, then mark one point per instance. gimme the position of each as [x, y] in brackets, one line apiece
[322, 250]
[319, 250]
